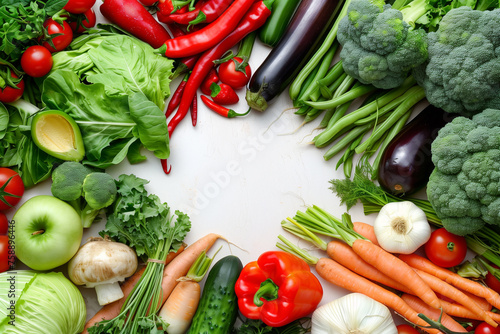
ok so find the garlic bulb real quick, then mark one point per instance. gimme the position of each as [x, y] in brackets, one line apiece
[401, 227]
[354, 313]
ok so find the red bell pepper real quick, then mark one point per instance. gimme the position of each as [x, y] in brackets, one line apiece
[278, 288]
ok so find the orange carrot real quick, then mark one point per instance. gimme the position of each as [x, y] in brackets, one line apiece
[460, 311]
[481, 302]
[112, 310]
[393, 267]
[419, 306]
[366, 230]
[455, 294]
[343, 254]
[337, 274]
[452, 278]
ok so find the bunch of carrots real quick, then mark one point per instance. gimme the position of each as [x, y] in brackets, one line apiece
[426, 295]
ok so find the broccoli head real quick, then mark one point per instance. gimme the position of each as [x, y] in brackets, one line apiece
[464, 187]
[462, 73]
[86, 190]
[378, 46]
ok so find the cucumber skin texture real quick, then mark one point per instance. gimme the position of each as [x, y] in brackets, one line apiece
[218, 307]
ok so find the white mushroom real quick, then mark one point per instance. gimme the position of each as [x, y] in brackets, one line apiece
[102, 264]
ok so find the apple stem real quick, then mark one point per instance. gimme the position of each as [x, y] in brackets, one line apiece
[38, 232]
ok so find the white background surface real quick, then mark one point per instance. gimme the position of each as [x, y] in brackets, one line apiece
[238, 177]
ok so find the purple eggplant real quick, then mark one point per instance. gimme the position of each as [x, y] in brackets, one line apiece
[406, 162]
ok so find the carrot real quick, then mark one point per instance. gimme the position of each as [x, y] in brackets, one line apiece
[112, 310]
[366, 230]
[393, 267]
[452, 278]
[460, 311]
[344, 255]
[481, 302]
[419, 306]
[455, 294]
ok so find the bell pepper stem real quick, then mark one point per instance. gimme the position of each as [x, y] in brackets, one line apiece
[268, 290]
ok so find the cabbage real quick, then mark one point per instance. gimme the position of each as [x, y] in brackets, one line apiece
[34, 303]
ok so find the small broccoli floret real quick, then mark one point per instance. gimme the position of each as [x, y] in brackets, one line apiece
[462, 74]
[86, 190]
[379, 47]
[464, 188]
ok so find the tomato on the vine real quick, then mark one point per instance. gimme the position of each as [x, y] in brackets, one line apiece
[78, 6]
[85, 21]
[4, 253]
[446, 249]
[11, 188]
[232, 75]
[11, 94]
[36, 61]
[61, 41]
[484, 328]
[406, 329]
[4, 224]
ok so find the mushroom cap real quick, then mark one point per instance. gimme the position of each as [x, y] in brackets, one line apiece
[102, 261]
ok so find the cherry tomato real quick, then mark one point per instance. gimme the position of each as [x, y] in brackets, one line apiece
[4, 224]
[9, 94]
[4, 253]
[406, 329]
[484, 328]
[85, 21]
[10, 184]
[78, 6]
[61, 41]
[491, 281]
[36, 61]
[446, 249]
[233, 77]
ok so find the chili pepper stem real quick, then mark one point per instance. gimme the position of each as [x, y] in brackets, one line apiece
[231, 113]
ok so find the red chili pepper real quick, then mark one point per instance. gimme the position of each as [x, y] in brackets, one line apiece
[254, 19]
[134, 18]
[223, 94]
[208, 12]
[165, 9]
[186, 63]
[278, 288]
[210, 35]
[211, 78]
[176, 97]
[221, 110]
[194, 110]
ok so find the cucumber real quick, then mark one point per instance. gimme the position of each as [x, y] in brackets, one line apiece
[218, 307]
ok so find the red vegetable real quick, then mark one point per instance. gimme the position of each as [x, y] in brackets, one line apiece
[83, 21]
[212, 77]
[10, 94]
[235, 72]
[78, 6]
[208, 12]
[5, 251]
[63, 35]
[11, 188]
[194, 110]
[406, 329]
[223, 94]
[209, 36]
[254, 19]
[36, 61]
[484, 328]
[491, 281]
[278, 288]
[223, 111]
[176, 97]
[445, 249]
[134, 18]
[4, 224]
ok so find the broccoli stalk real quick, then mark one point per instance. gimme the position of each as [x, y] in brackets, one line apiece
[88, 192]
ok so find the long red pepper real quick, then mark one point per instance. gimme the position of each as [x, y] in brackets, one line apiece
[186, 63]
[194, 110]
[134, 18]
[221, 110]
[206, 13]
[254, 19]
[210, 35]
[176, 97]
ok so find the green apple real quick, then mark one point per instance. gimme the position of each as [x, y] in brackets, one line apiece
[47, 231]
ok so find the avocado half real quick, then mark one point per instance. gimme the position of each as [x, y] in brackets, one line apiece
[57, 134]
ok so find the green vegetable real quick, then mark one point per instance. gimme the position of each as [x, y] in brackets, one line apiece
[462, 73]
[141, 221]
[281, 15]
[85, 190]
[464, 185]
[249, 326]
[218, 305]
[33, 303]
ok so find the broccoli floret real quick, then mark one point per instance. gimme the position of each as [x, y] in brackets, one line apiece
[464, 187]
[86, 190]
[462, 74]
[378, 46]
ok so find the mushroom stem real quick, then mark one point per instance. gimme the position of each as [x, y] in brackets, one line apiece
[108, 292]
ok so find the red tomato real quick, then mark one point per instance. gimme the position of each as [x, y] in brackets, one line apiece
[491, 281]
[78, 6]
[85, 21]
[446, 249]
[61, 41]
[9, 94]
[230, 75]
[36, 61]
[211, 78]
[4, 253]
[10, 184]
[484, 328]
[4, 224]
[407, 329]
